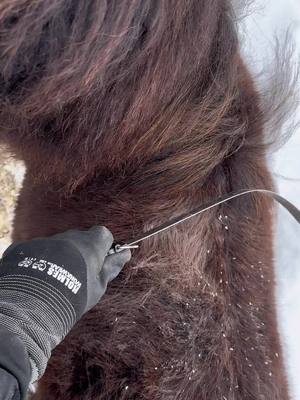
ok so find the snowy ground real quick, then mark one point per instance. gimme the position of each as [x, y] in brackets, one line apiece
[275, 17]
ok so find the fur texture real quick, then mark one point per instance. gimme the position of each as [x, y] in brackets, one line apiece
[127, 113]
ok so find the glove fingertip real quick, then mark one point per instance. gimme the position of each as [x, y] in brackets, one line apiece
[120, 258]
[114, 264]
[103, 234]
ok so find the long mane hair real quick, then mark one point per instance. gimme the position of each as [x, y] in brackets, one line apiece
[127, 113]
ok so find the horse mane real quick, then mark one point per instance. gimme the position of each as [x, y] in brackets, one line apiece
[127, 113]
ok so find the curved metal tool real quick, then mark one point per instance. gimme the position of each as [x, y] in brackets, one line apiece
[133, 244]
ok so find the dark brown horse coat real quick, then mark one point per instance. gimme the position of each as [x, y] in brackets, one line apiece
[127, 113]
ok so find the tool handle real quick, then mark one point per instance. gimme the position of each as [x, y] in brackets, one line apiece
[116, 248]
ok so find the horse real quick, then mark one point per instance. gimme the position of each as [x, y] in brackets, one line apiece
[127, 113]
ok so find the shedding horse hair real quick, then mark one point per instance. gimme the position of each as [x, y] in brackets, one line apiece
[127, 113]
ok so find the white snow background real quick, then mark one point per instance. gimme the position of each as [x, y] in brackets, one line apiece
[267, 19]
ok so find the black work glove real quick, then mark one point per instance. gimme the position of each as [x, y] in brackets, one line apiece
[9, 386]
[47, 284]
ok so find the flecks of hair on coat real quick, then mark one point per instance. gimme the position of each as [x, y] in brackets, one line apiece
[128, 113]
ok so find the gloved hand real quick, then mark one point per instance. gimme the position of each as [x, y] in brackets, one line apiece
[9, 387]
[47, 284]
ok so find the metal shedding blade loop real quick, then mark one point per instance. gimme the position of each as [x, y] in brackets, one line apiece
[294, 211]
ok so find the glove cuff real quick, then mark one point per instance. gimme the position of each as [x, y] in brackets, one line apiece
[38, 314]
[15, 361]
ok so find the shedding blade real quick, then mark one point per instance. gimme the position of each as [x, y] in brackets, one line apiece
[132, 244]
